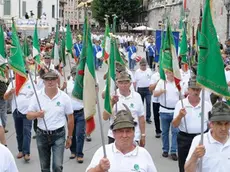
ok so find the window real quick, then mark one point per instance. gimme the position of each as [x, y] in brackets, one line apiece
[53, 11]
[80, 16]
[7, 7]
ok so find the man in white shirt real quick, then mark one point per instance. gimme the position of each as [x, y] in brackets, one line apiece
[215, 150]
[131, 99]
[2, 134]
[124, 155]
[187, 118]
[168, 97]
[23, 126]
[142, 82]
[7, 162]
[79, 121]
[55, 106]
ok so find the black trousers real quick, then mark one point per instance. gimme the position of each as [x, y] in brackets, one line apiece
[156, 107]
[35, 125]
[151, 60]
[184, 141]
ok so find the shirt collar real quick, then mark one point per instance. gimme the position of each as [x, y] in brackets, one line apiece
[57, 95]
[132, 153]
[127, 97]
[188, 104]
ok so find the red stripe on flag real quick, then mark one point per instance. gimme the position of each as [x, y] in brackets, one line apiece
[19, 82]
[90, 125]
[185, 4]
[106, 56]
[177, 82]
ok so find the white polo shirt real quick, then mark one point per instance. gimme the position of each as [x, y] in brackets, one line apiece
[193, 116]
[217, 155]
[135, 105]
[172, 95]
[7, 162]
[55, 109]
[138, 160]
[142, 78]
[154, 79]
[24, 96]
[76, 104]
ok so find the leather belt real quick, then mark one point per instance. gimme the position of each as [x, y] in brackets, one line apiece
[50, 132]
[77, 111]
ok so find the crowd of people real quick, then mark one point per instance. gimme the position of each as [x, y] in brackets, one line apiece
[138, 84]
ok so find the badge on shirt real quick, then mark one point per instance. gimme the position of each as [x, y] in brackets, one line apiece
[136, 167]
[131, 105]
[58, 103]
[29, 86]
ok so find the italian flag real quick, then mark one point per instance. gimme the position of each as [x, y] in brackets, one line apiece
[36, 46]
[184, 49]
[106, 45]
[84, 85]
[110, 79]
[16, 61]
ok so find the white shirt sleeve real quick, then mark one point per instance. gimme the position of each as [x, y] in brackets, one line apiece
[68, 105]
[33, 106]
[177, 109]
[96, 159]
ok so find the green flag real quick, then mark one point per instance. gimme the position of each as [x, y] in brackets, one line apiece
[2, 47]
[78, 84]
[161, 70]
[69, 40]
[210, 70]
[16, 59]
[110, 78]
[36, 46]
[167, 59]
[184, 48]
[26, 48]
[182, 16]
[118, 57]
[106, 42]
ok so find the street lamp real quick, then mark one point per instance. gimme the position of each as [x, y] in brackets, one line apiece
[227, 6]
[146, 22]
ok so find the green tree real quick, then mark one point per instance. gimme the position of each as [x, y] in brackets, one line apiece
[126, 9]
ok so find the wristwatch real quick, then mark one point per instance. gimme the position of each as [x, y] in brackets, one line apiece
[69, 137]
[143, 135]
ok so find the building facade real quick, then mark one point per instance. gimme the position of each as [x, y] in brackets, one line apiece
[156, 11]
[18, 9]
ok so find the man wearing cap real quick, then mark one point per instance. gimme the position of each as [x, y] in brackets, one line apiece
[168, 97]
[142, 82]
[55, 106]
[22, 124]
[131, 99]
[124, 154]
[187, 118]
[47, 62]
[156, 105]
[77, 47]
[79, 122]
[151, 49]
[215, 150]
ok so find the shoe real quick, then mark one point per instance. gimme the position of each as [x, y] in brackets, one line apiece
[34, 137]
[88, 138]
[165, 154]
[80, 160]
[174, 157]
[6, 131]
[72, 156]
[27, 158]
[20, 155]
[149, 121]
[158, 135]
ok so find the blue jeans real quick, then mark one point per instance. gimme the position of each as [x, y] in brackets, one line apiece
[131, 64]
[78, 134]
[146, 95]
[3, 114]
[166, 119]
[23, 131]
[46, 143]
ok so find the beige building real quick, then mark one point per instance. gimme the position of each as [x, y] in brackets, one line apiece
[156, 10]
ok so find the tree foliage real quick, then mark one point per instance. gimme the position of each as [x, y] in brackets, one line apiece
[126, 9]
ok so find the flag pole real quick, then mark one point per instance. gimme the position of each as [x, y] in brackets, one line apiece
[202, 128]
[182, 104]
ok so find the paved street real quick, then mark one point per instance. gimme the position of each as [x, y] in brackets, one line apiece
[153, 145]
